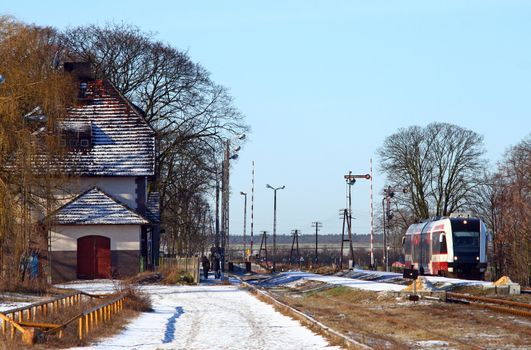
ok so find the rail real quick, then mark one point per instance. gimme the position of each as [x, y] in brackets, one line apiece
[515, 309]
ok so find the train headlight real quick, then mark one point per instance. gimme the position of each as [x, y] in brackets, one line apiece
[477, 258]
[455, 257]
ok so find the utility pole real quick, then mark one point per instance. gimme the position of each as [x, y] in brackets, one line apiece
[275, 221]
[217, 238]
[225, 193]
[263, 246]
[317, 226]
[295, 241]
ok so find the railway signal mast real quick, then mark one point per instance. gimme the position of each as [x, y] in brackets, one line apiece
[347, 218]
[389, 193]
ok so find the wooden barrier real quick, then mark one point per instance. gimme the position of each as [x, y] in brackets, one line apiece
[189, 265]
[27, 337]
[21, 319]
[90, 319]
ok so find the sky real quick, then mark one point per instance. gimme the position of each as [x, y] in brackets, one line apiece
[323, 83]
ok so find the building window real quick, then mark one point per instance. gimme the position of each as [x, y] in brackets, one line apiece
[77, 136]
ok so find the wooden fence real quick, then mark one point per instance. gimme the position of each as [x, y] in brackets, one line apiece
[189, 265]
[22, 319]
[90, 319]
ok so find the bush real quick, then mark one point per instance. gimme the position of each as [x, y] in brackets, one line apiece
[137, 300]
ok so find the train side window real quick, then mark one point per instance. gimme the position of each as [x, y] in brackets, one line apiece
[444, 249]
[407, 245]
[435, 245]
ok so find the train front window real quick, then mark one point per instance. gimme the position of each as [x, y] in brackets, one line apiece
[465, 240]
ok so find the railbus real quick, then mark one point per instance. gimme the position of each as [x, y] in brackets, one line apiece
[447, 246]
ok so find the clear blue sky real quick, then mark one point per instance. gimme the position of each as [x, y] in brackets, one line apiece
[322, 83]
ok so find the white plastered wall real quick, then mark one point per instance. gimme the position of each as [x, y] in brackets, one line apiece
[123, 237]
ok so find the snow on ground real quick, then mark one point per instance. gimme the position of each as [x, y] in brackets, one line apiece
[96, 287]
[285, 278]
[12, 305]
[366, 280]
[10, 300]
[208, 316]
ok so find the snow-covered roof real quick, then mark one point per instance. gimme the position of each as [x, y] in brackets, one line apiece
[153, 207]
[123, 144]
[95, 207]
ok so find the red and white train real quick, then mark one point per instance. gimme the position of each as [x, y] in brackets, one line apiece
[450, 246]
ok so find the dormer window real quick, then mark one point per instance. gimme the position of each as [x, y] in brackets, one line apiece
[77, 136]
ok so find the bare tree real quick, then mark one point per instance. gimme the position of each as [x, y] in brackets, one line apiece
[34, 95]
[440, 165]
[512, 209]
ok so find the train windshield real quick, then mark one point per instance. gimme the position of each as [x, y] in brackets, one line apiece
[466, 240]
[466, 235]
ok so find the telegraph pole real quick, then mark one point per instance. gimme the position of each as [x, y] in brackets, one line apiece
[295, 241]
[317, 226]
[275, 189]
[263, 246]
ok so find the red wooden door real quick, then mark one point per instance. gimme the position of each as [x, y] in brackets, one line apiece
[93, 257]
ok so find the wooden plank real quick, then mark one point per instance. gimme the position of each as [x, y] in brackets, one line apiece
[38, 325]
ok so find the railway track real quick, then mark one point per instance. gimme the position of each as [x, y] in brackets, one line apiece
[505, 306]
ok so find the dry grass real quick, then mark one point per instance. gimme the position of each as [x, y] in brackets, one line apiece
[164, 275]
[137, 300]
[33, 286]
[148, 277]
[324, 270]
[170, 275]
[383, 321]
